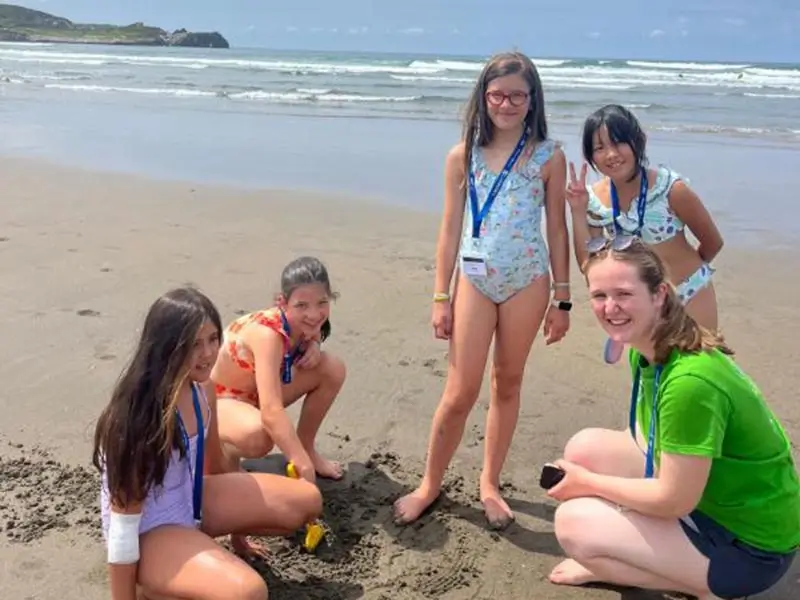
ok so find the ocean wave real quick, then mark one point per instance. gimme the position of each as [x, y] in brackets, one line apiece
[133, 90]
[555, 73]
[685, 66]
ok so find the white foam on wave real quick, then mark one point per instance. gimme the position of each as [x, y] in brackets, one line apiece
[132, 90]
[685, 66]
[303, 96]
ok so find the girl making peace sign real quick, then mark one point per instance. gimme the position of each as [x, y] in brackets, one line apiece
[633, 201]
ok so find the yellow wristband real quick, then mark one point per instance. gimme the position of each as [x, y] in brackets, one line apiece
[441, 297]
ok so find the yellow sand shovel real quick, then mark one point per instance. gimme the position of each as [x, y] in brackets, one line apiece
[315, 532]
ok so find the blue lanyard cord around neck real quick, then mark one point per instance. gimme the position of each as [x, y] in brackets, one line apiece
[649, 468]
[478, 215]
[640, 207]
[197, 474]
[288, 355]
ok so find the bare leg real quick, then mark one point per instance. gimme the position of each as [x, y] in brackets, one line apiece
[258, 503]
[606, 451]
[242, 435]
[180, 562]
[626, 548]
[238, 505]
[703, 307]
[474, 321]
[241, 432]
[320, 386]
[518, 322]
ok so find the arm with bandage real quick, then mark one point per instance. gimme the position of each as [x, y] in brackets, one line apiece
[123, 550]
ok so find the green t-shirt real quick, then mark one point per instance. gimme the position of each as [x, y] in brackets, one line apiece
[708, 407]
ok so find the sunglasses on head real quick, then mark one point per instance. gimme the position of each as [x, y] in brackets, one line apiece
[618, 243]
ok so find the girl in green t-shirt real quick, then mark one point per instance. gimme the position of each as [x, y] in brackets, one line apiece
[701, 494]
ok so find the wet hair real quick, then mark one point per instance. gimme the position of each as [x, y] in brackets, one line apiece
[478, 126]
[138, 429]
[623, 128]
[675, 329]
[307, 270]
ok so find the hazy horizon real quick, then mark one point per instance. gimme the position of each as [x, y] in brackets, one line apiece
[730, 31]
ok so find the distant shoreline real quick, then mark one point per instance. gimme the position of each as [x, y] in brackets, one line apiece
[24, 25]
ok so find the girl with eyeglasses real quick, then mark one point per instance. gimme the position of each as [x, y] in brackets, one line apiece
[504, 174]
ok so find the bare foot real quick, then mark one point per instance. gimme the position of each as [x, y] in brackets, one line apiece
[410, 507]
[498, 513]
[247, 549]
[326, 468]
[570, 572]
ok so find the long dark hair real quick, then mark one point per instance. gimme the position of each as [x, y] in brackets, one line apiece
[307, 270]
[137, 430]
[478, 127]
[675, 329]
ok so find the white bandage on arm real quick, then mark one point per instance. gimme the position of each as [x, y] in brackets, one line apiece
[123, 538]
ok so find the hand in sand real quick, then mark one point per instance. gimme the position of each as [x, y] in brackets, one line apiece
[576, 192]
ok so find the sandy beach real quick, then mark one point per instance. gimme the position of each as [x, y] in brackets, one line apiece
[82, 256]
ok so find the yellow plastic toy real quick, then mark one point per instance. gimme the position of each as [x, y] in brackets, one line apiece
[315, 532]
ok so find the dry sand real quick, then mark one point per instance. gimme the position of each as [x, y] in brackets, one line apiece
[82, 255]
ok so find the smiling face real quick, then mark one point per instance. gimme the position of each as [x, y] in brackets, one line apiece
[617, 161]
[622, 302]
[204, 352]
[508, 101]
[307, 309]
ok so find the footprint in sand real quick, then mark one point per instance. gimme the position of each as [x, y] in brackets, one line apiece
[87, 312]
[4, 239]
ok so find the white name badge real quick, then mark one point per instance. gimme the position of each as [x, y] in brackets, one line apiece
[474, 265]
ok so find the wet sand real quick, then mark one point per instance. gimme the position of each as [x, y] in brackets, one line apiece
[83, 254]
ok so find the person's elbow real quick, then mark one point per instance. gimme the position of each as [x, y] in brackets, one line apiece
[712, 247]
[677, 503]
[271, 411]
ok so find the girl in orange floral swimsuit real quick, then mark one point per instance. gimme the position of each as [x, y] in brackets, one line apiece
[271, 358]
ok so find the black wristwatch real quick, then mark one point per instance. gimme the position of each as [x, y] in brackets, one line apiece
[565, 305]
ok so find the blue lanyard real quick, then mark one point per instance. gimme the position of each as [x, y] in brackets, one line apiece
[288, 355]
[640, 207]
[479, 215]
[649, 469]
[197, 492]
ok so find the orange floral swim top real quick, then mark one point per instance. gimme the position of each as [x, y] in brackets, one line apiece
[236, 349]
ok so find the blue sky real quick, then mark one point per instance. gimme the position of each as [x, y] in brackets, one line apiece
[725, 30]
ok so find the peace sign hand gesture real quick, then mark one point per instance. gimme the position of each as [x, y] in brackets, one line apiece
[576, 193]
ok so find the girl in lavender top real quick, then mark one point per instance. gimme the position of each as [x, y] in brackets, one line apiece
[160, 515]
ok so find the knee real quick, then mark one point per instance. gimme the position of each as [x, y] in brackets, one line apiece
[507, 383]
[255, 445]
[334, 371]
[459, 398]
[575, 523]
[583, 448]
[306, 505]
[251, 587]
